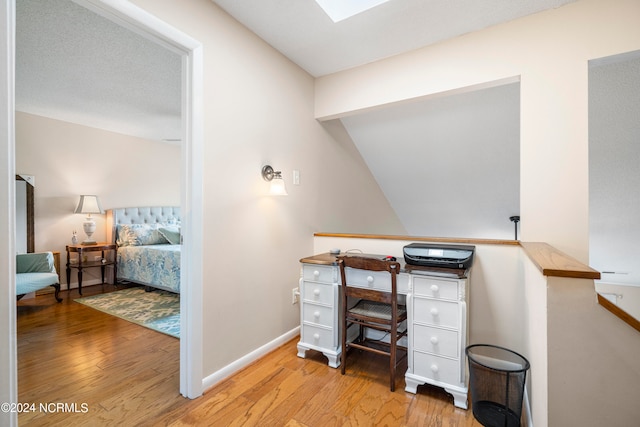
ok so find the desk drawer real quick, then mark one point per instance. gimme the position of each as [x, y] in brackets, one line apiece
[436, 341]
[319, 273]
[318, 314]
[318, 336]
[436, 368]
[436, 312]
[434, 288]
[318, 293]
[380, 280]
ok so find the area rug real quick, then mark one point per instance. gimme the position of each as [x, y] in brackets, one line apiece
[157, 310]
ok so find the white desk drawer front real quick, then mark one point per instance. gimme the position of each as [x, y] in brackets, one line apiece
[436, 312]
[318, 314]
[318, 273]
[437, 341]
[377, 280]
[436, 368]
[318, 293]
[318, 336]
[434, 288]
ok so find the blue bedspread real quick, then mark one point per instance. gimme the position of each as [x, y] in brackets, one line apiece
[153, 265]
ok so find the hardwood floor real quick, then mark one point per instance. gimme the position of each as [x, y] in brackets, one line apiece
[119, 373]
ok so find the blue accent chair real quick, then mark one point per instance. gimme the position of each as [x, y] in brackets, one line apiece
[36, 271]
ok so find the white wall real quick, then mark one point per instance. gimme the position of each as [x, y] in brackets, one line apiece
[258, 109]
[549, 51]
[594, 369]
[68, 160]
[614, 176]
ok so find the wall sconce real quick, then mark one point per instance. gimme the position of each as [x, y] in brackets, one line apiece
[275, 178]
[89, 205]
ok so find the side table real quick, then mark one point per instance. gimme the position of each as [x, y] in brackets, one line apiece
[108, 251]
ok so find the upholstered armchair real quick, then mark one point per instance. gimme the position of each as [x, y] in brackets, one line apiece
[36, 271]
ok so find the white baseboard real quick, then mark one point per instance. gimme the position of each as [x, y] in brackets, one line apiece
[247, 359]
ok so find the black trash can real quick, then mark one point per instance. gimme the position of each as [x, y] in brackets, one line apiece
[496, 379]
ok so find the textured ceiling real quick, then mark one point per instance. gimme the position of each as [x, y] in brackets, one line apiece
[76, 66]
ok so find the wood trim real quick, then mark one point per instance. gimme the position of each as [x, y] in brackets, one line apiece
[626, 317]
[552, 262]
[420, 238]
[30, 199]
[549, 260]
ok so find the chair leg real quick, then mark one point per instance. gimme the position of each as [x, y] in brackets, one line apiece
[344, 326]
[57, 293]
[392, 357]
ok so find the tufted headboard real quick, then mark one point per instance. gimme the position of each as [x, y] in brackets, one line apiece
[143, 215]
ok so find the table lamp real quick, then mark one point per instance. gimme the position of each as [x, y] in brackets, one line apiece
[88, 205]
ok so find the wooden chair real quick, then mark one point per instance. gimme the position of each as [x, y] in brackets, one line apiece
[376, 309]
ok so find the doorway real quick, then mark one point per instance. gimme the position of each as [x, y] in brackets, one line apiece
[190, 50]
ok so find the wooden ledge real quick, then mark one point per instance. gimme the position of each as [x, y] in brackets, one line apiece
[552, 262]
[420, 238]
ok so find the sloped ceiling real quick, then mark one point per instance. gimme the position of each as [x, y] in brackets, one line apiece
[449, 166]
[305, 34]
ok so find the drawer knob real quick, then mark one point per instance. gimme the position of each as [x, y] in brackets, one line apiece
[316, 273]
[370, 279]
[434, 340]
[316, 314]
[434, 368]
[434, 311]
[316, 292]
[434, 288]
[316, 336]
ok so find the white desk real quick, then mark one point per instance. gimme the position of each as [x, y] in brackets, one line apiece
[437, 319]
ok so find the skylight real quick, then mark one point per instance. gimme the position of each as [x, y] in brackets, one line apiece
[339, 10]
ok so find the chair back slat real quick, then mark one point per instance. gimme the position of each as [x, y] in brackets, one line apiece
[370, 264]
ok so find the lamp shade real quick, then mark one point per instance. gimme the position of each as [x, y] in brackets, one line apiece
[89, 204]
[277, 186]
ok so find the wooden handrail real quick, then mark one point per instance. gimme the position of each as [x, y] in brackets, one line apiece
[626, 317]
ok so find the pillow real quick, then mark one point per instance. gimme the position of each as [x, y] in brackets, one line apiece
[171, 233]
[139, 234]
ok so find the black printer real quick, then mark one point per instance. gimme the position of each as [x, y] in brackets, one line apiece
[436, 255]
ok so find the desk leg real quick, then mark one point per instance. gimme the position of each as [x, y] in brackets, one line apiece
[68, 276]
[80, 280]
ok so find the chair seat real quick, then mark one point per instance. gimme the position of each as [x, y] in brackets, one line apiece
[31, 282]
[376, 309]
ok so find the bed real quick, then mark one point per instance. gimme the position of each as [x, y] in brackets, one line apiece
[148, 245]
